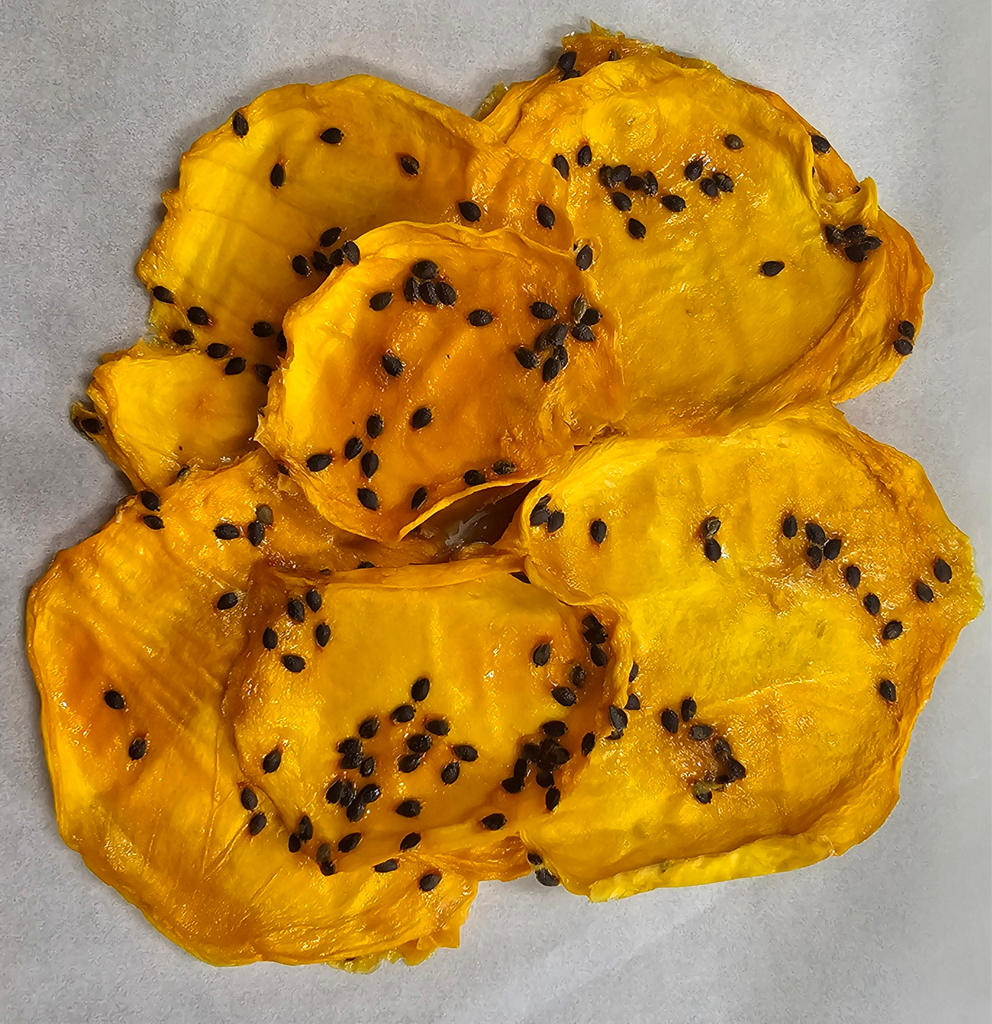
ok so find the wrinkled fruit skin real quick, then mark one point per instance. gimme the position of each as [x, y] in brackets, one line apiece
[493, 516]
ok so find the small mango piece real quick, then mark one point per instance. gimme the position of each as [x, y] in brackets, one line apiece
[393, 701]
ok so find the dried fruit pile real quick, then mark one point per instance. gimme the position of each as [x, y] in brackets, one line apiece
[492, 515]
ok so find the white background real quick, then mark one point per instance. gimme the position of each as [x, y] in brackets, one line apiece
[97, 101]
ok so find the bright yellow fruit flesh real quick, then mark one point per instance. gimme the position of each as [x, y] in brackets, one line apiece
[777, 641]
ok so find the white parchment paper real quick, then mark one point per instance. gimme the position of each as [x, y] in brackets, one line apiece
[97, 101]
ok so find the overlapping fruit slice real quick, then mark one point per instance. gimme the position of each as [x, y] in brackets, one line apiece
[131, 636]
[267, 206]
[792, 591]
[426, 710]
[445, 361]
[748, 268]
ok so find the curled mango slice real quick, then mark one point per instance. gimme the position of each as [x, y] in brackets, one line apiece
[765, 274]
[502, 109]
[444, 362]
[792, 591]
[267, 205]
[406, 709]
[131, 637]
[156, 412]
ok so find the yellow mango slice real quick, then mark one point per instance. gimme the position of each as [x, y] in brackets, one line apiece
[748, 269]
[157, 412]
[402, 392]
[581, 52]
[131, 636]
[266, 206]
[799, 586]
[399, 711]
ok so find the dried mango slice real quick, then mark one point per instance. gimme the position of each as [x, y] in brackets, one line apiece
[792, 590]
[445, 361]
[165, 411]
[582, 51]
[414, 709]
[747, 267]
[267, 204]
[503, 108]
[131, 636]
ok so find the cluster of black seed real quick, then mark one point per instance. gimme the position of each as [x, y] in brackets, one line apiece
[543, 874]
[423, 285]
[253, 531]
[355, 789]
[821, 548]
[540, 757]
[234, 365]
[620, 183]
[711, 185]
[854, 240]
[728, 769]
[624, 186]
[543, 515]
[905, 333]
[354, 796]
[577, 324]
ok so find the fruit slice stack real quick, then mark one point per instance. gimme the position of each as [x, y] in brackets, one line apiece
[492, 515]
